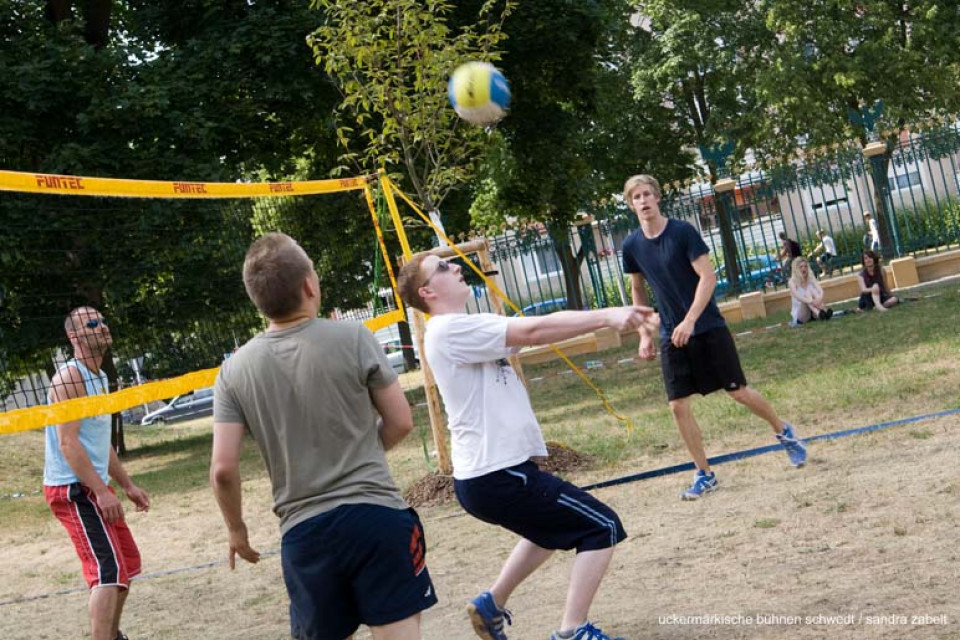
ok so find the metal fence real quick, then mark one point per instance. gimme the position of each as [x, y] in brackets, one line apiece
[912, 190]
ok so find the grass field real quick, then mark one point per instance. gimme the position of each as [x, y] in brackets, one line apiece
[840, 549]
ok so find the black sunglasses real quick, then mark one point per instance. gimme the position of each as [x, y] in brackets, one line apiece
[93, 324]
[442, 267]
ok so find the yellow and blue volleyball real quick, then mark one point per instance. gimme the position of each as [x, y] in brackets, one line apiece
[479, 93]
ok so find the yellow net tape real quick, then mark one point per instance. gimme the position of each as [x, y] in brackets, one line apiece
[118, 188]
[390, 187]
[41, 416]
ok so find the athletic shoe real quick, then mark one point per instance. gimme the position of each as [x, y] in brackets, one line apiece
[796, 450]
[487, 618]
[121, 636]
[702, 483]
[586, 631]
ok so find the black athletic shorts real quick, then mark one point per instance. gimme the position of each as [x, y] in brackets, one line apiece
[709, 362]
[546, 510]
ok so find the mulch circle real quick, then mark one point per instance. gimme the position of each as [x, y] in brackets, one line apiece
[435, 489]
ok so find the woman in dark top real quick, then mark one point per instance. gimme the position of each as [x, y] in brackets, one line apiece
[873, 290]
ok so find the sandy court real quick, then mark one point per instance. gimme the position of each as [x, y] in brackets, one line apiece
[859, 544]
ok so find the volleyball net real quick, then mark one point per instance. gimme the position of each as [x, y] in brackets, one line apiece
[162, 261]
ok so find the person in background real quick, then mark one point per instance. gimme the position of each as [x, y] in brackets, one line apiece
[789, 250]
[806, 295]
[825, 252]
[871, 240]
[874, 293]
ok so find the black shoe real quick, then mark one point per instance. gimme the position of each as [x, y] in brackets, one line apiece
[822, 315]
[121, 636]
[829, 313]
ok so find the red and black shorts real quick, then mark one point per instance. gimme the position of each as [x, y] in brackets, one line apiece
[107, 551]
[707, 363]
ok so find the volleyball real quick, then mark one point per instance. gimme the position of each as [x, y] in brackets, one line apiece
[479, 93]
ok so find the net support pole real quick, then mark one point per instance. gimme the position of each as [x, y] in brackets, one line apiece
[438, 422]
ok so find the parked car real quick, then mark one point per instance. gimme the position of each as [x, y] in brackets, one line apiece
[756, 272]
[394, 352]
[196, 404]
[544, 307]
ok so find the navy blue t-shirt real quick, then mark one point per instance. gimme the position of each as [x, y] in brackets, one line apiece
[665, 262]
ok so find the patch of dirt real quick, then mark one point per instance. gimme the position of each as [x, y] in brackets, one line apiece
[435, 489]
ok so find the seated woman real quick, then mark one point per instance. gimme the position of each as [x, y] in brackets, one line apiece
[873, 289]
[807, 294]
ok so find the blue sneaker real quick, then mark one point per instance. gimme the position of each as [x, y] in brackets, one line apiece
[796, 450]
[487, 618]
[702, 483]
[586, 631]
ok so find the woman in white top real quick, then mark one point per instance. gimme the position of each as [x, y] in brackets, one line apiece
[807, 294]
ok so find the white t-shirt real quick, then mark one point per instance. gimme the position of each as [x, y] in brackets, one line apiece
[829, 246]
[492, 425]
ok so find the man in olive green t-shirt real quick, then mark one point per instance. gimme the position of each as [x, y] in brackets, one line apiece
[309, 391]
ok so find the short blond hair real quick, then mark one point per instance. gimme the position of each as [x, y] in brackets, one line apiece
[635, 181]
[273, 273]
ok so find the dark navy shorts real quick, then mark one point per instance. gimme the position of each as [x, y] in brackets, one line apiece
[538, 506]
[707, 363]
[357, 564]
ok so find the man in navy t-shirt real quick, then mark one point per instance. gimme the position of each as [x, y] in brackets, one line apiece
[698, 354]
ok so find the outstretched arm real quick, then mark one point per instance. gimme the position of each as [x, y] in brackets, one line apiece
[567, 324]
[638, 291]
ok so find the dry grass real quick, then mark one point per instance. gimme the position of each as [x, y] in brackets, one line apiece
[867, 529]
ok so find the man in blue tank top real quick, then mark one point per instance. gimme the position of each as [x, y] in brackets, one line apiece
[697, 352]
[79, 462]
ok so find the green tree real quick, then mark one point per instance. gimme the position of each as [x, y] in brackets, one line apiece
[698, 59]
[574, 132]
[833, 61]
[197, 90]
[390, 60]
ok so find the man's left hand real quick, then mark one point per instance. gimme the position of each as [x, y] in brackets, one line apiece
[138, 497]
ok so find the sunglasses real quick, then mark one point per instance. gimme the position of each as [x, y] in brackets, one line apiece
[442, 267]
[93, 324]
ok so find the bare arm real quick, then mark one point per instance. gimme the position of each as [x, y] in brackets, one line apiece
[701, 298]
[796, 294]
[137, 496]
[225, 480]
[67, 385]
[638, 291]
[568, 324]
[396, 420]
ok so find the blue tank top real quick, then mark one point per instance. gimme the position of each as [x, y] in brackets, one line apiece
[94, 436]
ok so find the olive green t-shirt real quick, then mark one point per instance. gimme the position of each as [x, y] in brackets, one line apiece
[304, 393]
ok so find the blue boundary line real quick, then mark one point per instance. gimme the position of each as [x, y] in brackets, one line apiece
[663, 471]
[749, 453]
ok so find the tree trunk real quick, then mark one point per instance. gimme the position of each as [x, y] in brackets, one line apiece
[726, 215]
[883, 204]
[570, 265]
[96, 18]
[116, 420]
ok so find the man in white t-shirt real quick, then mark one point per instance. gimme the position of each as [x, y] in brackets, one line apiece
[872, 239]
[494, 433]
[825, 252]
